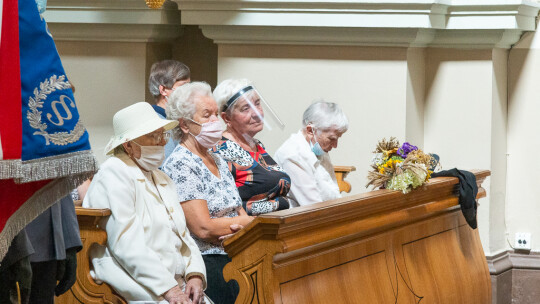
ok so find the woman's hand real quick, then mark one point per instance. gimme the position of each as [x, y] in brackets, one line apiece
[235, 228]
[176, 296]
[194, 289]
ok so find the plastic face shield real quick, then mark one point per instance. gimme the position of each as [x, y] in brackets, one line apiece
[249, 101]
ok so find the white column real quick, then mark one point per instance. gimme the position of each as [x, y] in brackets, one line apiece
[415, 97]
[523, 208]
[465, 123]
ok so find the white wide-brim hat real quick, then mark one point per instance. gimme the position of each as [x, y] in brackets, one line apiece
[135, 121]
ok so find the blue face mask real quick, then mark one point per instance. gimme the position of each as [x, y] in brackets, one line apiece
[316, 148]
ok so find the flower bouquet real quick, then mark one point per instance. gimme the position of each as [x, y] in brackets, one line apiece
[398, 167]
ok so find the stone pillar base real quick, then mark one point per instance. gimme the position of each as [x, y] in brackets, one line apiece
[515, 277]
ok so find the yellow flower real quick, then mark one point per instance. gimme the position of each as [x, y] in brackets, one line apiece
[389, 153]
[428, 176]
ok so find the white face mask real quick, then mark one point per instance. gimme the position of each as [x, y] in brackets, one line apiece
[151, 157]
[210, 134]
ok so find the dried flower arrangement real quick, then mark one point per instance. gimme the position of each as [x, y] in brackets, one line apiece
[398, 167]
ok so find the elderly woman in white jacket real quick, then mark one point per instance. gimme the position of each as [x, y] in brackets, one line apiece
[304, 156]
[150, 255]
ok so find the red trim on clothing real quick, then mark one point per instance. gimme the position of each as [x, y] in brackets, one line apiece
[241, 177]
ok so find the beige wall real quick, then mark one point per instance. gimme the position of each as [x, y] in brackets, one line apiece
[369, 84]
[107, 76]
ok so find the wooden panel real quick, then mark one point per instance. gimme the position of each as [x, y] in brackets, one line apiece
[448, 267]
[364, 280]
[86, 290]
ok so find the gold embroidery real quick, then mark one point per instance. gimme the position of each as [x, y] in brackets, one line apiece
[34, 115]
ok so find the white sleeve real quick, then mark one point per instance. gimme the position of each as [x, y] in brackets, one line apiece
[193, 259]
[115, 188]
[303, 185]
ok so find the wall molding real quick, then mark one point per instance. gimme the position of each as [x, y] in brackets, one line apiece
[114, 20]
[507, 260]
[515, 277]
[420, 23]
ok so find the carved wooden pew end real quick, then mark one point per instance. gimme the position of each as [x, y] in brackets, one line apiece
[342, 172]
[86, 290]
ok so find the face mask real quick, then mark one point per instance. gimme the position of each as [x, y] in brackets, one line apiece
[210, 133]
[316, 148]
[151, 157]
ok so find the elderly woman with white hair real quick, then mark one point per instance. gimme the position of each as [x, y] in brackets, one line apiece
[205, 186]
[150, 256]
[304, 156]
[262, 184]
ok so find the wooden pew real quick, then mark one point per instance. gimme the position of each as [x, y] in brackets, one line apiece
[342, 172]
[377, 247]
[86, 290]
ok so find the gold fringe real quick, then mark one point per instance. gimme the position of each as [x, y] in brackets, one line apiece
[49, 167]
[37, 204]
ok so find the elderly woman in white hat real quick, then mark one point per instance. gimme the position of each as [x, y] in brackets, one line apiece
[150, 256]
[304, 156]
[205, 186]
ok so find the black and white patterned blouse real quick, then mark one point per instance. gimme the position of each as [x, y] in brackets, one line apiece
[262, 184]
[195, 181]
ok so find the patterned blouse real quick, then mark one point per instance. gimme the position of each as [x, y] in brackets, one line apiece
[262, 184]
[195, 181]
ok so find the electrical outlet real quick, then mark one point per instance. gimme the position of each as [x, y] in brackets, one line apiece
[522, 240]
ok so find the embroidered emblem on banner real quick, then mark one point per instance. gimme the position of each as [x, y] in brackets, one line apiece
[57, 118]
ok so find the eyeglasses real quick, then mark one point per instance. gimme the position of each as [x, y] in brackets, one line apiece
[158, 137]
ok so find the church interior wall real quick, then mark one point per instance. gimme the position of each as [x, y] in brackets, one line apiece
[368, 82]
[107, 76]
[414, 94]
[199, 53]
[475, 108]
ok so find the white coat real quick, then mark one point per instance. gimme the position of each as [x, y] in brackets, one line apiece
[312, 178]
[140, 260]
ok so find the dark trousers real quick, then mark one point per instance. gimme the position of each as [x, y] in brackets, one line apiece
[15, 280]
[218, 290]
[43, 282]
